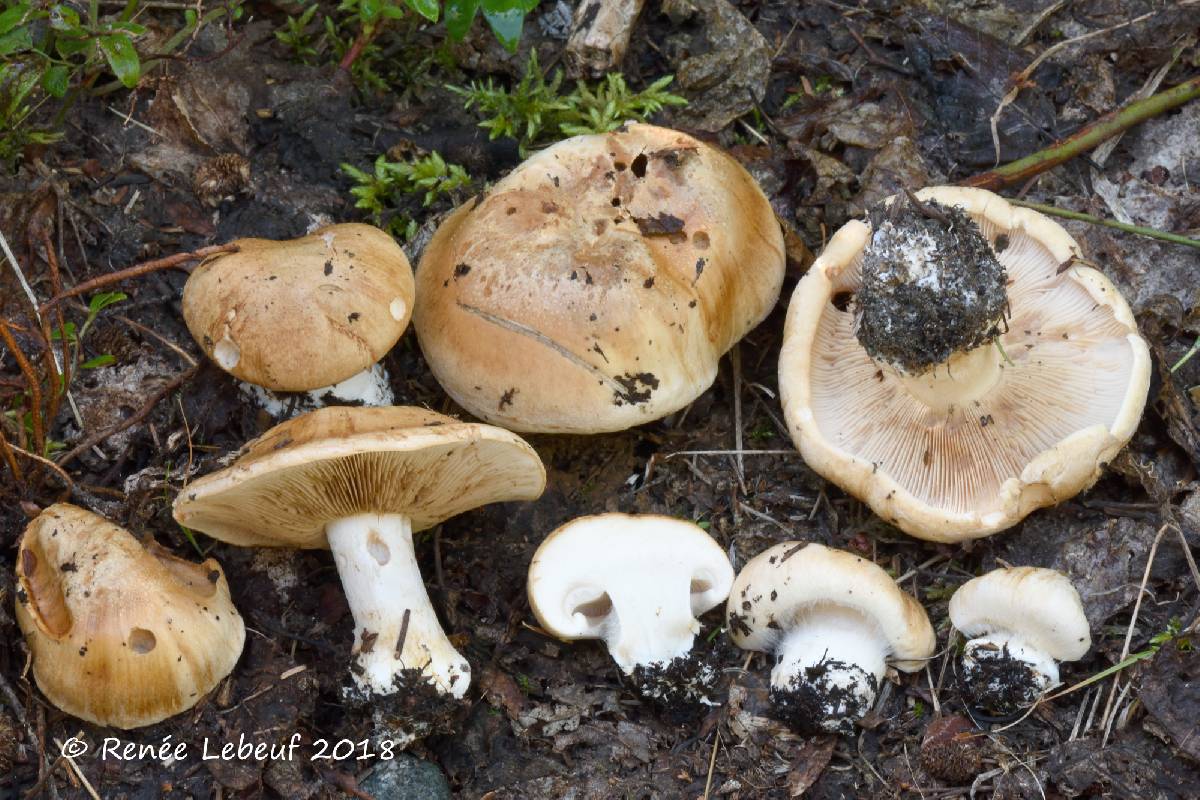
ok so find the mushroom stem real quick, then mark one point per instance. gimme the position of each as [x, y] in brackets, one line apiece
[965, 377]
[651, 623]
[829, 668]
[1002, 668]
[396, 632]
[371, 387]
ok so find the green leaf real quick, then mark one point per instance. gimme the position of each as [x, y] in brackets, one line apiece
[68, 46]
[504, 6]
[369, 11]
[103, 300]
[65, 19]
[99, 361]
[426, 8]
[55, 80]
[123, 58]
[459, 16]
[506, 25]
[57, 333]
[15, 41]
[13, 17]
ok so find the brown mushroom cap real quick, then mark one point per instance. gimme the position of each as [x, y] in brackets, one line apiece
[1066, 394]
[596, 286]
[121, 634]
[304, 313]
[340, 461]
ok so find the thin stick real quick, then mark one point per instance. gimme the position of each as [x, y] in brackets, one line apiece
[34, 387]
[70, 484]
[1086, 138]
[97, 438]
[1153, 233]
[712, 764]
[139, 270]
[9, 458]
[735, 360]
[78, 772]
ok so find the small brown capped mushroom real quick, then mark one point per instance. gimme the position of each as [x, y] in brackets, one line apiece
[596, 287]
[305, 313]
[121, 634]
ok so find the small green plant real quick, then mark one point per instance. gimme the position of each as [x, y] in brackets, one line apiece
[536, 112]
[383, 191]
[56, 52]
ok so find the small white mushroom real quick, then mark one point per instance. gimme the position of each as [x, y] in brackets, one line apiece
[833, 620]
[638, 583]
[1020, 621]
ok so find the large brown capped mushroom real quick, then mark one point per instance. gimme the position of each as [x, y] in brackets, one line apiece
[957, 367]
[596, 286]
[302, 314]
[121, 634]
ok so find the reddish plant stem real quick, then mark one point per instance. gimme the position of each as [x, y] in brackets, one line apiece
[139, 270]
[1088, 137]
[33, 385]
[365, 37]
[9, 458]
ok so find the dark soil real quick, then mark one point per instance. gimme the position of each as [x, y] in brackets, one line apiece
[831, 106]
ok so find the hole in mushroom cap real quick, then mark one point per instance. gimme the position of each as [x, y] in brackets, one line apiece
[227, 354]
[199, 580]
[841, 300]
[378, 549]
[700, 240]
[595, 610]
[397, 308]
[142, 641]
[638, 167]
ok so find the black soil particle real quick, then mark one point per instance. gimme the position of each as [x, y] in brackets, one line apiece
[814, 704]
[680, 687]
[997, 683]
[929, 289]
[416, 708]
[635, 388]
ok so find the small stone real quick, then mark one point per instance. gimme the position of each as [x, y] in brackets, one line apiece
[406, 778]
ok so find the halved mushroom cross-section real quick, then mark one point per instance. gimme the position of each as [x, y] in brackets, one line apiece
[638, 583]
[359, 481]
[121, 634]
[974, 444]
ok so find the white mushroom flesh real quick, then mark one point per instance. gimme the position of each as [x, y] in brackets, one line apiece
[371, 387]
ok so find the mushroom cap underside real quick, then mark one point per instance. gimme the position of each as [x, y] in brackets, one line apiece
[1073, 379]
[340, 461]
[304, 313]
[789, 583]
[120, 634]
[596, 286]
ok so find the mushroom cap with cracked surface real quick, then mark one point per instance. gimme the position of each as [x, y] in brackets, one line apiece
[1067, 384]
[336, 462]
[120, 634]
[597, 285]
[304, 313]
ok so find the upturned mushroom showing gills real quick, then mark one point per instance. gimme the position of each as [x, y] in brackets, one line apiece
[1019, 622]
[596, 286]
[121, 634]
[638, 583]
[313, 314]
[952, 364]
[834, 622]
[359, 481]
